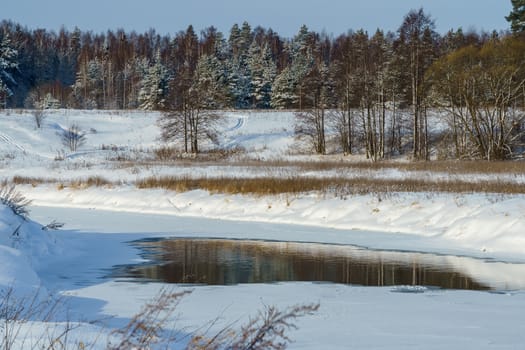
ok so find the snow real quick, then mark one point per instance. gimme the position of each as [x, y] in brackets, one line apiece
[100, 221]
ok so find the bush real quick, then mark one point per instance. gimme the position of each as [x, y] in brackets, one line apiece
[166, 153]
[266, 331]
[73, 137]
[149, 328]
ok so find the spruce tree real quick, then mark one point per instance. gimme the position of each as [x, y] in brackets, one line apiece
[239, 73]
[263, 74]
[287, 89]
[516, 18]
[7, 65]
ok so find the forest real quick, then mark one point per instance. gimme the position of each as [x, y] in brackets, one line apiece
[415, 92]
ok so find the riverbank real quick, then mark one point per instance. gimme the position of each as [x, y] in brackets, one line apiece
[481, 225]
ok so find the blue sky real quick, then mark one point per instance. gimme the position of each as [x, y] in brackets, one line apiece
[283, 16]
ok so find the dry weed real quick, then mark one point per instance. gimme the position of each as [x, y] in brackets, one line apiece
[265, 331]
[336, 185]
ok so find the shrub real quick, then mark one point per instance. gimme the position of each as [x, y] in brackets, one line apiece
[166, 153]
[148, 328]
[73, 137]
[266, 331]
[13, 199]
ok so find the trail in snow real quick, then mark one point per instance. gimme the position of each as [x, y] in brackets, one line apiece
[9, 140]
[239, 125]
[231, 138]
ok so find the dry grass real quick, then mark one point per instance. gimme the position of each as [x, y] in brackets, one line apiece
[284, 177]
[91, 181]
[451, 167]
[146, 329]
[265, 331]
[28, 180]
[166, 153]
[168, 157]
[338, 186]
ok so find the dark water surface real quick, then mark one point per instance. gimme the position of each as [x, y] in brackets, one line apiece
[225, 262]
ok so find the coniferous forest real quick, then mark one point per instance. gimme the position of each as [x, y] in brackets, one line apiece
[375, 91]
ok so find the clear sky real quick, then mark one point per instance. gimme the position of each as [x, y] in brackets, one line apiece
[283, 16]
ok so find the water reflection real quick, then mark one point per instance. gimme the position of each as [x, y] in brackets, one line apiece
[226, 262]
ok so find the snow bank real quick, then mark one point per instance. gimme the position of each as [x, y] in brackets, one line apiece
[475, 224]
[24, 246]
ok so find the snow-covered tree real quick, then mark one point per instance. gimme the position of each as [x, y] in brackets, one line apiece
[239, 72]
[8, 64]
[240, 39]
[240, 82]
[263, 73]
[287, 87]
[210, 83]
[154, 87]
[283, 90]
[89, 84]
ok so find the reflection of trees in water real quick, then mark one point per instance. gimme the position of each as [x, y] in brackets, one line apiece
[230, 262]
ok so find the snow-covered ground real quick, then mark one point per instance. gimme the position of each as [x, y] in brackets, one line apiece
[100, 220]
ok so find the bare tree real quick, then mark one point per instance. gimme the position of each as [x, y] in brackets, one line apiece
[414, 47]
[39, 116]
[190, 126]
[193, 119]
[310, 124]
[346, 73]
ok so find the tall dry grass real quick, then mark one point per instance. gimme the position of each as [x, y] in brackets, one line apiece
[281, 177]
[295, 185]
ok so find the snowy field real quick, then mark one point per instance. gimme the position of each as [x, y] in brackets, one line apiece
[100, 220]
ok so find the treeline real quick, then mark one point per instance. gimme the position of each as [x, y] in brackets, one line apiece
[360, 85]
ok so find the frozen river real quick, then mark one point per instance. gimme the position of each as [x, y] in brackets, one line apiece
[390, 316]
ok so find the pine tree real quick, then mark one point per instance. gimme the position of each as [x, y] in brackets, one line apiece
[209, 83]
[88, 87]
[517, 16]
[287, 89]
[263, 73]
[8, 64]
[239, 73]
[154, 89]
[234, 40]
[240, 81]
[284, 90]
